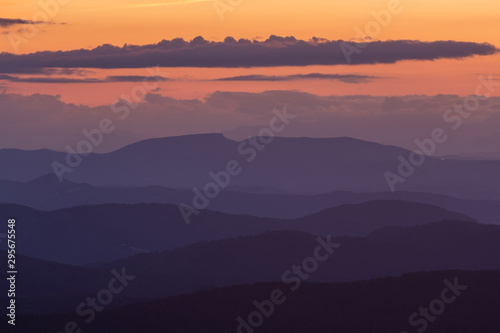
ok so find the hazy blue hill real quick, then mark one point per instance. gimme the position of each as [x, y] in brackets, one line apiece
[173, 162]
[289, 165]
[315, 164]
[24, 165]
[86, 234]
[358, 219]
[47, 193]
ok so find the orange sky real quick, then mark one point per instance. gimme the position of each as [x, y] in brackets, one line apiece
[89, 23]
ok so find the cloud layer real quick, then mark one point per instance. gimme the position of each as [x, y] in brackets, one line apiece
[42, 121]
[275, 51]
[346, 78]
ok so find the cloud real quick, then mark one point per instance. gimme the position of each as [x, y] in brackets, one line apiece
[43, 121]
[117, 78]
[134, 78]
[346, 78]
[231, 53]
[4, 22]
[11, 78]
[67, 71]
[46, 71]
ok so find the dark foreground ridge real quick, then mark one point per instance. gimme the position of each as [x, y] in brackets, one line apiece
[444, 302]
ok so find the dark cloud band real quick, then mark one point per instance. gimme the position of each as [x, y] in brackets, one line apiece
[118, 78]
[10, 22]
[275, 51]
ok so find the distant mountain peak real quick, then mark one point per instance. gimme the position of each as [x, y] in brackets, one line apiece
[49, 179]
[155, 143]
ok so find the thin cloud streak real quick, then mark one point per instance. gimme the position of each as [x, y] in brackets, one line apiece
[4, 22]
[116, 78]
[146, 5]
[346, 78]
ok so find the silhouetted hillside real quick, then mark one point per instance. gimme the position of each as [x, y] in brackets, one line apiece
[388, 252]
[381, 305]
[47, 287]
[266, 257]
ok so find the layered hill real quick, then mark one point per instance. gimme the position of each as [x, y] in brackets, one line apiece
[288, 165]
[86, 234]
[47, 193]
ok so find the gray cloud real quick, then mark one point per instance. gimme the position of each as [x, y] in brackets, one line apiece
[347, 78]
[11, 78]
[4, 22]
[134, 78]
[46, 71]
[116, 78]
[275, 51]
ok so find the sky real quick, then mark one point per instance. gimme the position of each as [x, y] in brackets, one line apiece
[89, 23]
[87, 54]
